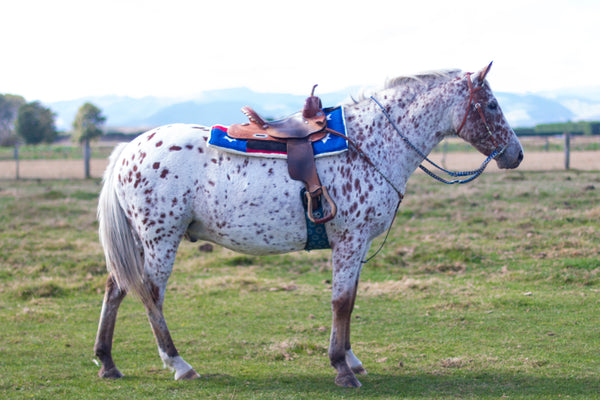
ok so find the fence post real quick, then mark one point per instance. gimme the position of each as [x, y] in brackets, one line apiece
[86, 158]
[567, 149]
[17, 159]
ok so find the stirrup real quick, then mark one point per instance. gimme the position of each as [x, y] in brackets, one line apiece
[309, 208]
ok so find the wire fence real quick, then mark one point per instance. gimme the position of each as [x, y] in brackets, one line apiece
[65, 161]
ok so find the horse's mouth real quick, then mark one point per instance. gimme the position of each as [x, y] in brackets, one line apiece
[511, 157]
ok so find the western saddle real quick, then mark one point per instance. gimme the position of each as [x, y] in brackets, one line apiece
[297, 131]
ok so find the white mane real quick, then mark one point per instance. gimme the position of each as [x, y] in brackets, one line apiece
[412, 84]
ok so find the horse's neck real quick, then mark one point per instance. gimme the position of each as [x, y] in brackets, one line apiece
[424, 121]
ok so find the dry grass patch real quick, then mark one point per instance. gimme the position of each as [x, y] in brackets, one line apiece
[241, 280]
[292, 348]
[397, 287]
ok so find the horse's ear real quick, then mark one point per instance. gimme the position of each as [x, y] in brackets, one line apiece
[483, 73]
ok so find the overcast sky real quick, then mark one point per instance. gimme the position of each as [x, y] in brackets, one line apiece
[67, 49]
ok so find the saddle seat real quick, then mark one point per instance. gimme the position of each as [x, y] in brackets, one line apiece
[310, 123]
[297, 131]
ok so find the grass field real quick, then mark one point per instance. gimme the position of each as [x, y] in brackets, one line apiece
[489, 290]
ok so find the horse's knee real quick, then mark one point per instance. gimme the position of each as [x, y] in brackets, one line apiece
[342, 304]
[113, 291]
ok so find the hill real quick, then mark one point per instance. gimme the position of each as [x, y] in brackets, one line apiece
[223, 107]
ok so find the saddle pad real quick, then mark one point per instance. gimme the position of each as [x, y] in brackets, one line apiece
[328, 146]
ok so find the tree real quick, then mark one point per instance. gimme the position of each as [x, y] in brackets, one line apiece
[87, 126]
[88, 123]
[35, 123]
[9, 108]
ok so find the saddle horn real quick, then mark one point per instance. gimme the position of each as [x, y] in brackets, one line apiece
[313, 105]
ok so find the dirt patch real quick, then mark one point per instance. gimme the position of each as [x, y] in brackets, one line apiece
[534, 161]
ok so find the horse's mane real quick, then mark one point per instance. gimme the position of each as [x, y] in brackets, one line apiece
[425, 79]
[413, 84]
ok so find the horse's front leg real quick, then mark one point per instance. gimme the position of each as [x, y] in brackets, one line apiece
[347, 264]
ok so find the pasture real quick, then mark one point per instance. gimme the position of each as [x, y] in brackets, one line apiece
[488, 290]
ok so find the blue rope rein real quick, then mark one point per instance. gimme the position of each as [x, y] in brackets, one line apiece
[455, 174]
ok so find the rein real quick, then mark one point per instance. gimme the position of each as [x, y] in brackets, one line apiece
[471, 175]
[372, 164]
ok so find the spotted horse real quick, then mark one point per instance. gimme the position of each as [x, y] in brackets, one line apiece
[167, 185]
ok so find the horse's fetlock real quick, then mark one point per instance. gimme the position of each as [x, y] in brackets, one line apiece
[102, 351]
[337, 359]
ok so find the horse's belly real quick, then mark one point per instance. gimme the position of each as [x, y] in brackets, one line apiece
[255, 213]
[251, 230]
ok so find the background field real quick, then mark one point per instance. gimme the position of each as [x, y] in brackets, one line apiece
[488, 290]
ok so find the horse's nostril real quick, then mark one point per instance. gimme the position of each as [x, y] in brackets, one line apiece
[521, 156]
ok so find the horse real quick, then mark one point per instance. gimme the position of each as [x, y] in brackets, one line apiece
[168, 184]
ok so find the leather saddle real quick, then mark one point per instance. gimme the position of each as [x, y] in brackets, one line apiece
[297, 131]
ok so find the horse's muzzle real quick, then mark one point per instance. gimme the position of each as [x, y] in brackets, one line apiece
[512, 155]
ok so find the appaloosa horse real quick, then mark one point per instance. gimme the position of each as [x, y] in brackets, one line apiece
[167, 184]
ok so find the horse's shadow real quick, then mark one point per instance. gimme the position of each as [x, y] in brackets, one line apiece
[472, 385]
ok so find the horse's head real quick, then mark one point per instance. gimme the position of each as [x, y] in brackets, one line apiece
[479, 121]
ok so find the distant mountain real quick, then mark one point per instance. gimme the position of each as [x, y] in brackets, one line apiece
[209, 108]
[223, 107]
[119, 110]
[526, 110]
[584, 102]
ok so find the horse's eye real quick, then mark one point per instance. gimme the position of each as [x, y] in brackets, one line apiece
[493, 105]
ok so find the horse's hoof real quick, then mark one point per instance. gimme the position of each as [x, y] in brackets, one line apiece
[188, 376]
[112, 373]
[347, 380]
[359, 370]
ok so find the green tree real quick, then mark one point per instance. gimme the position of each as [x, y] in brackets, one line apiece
[35, 123]
[86, 127]
[88, 123]
[9, 108]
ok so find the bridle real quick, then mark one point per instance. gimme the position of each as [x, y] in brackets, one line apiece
[470, 175]
[477, 106]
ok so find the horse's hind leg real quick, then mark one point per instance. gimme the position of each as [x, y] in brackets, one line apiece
[158, 267]
[166, 349]
[113, 297]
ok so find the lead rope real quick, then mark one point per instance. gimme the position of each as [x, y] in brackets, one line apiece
[471, 174]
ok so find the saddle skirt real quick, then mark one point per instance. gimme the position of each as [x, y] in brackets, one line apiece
[329, 145]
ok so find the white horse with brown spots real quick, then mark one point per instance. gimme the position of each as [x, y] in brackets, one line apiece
[167, 184]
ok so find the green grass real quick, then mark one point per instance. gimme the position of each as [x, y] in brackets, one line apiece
[484, 291]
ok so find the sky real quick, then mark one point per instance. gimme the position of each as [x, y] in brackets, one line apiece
[69, 49]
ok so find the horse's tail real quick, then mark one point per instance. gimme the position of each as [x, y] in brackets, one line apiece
[122, 247]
